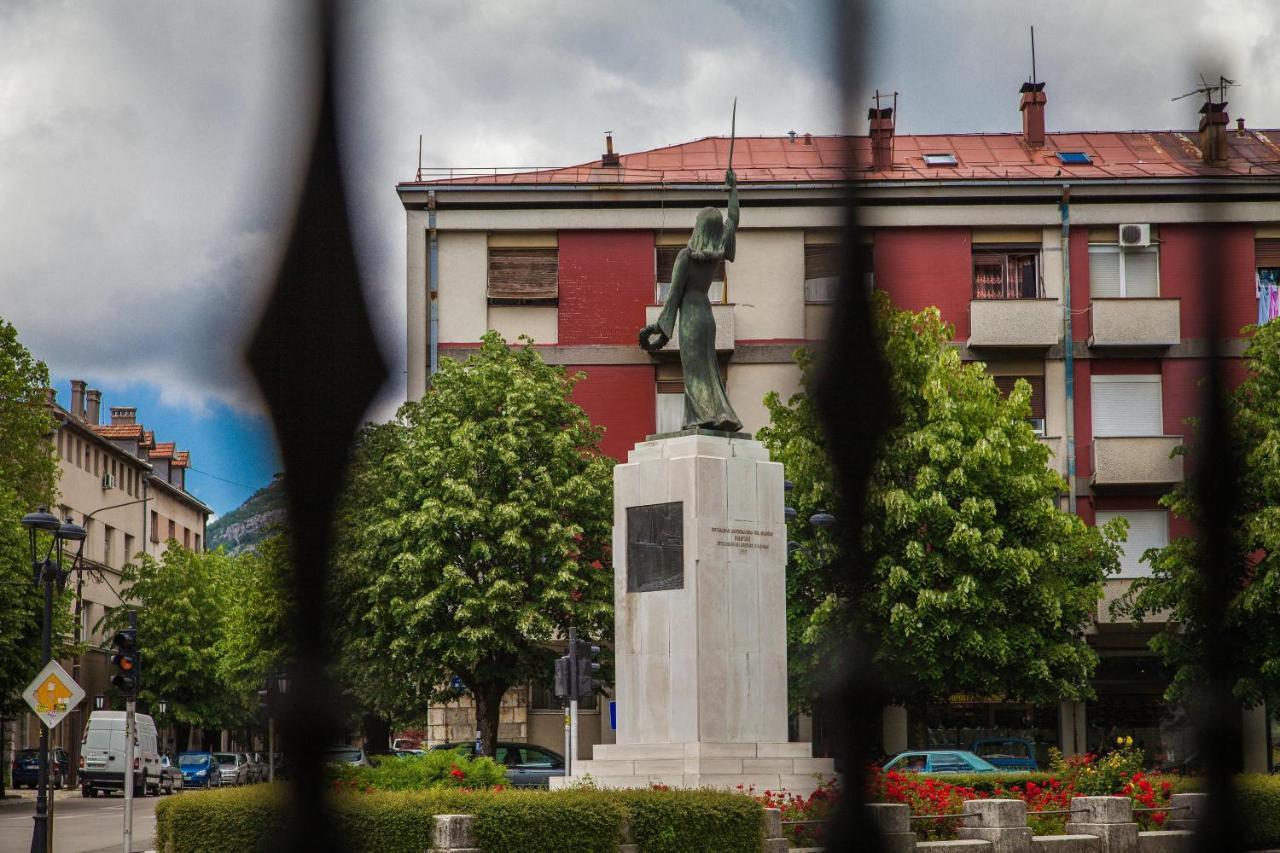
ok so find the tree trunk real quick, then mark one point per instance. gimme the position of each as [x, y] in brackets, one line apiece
[377, 733]
[917, 724]
[4, 757]
[182, 731]
[488, 703]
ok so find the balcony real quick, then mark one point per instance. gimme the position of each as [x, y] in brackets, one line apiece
[724, 327]
[1136, 460]
[1015, 323]
[1135, 322]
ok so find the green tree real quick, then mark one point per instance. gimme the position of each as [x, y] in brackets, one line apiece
[181, 611]
[28, 478]
[980, 583]
[1175, 589]
[475, 531]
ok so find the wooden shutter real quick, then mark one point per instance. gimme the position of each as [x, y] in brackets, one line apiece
[667, 261]
[1005, 384]
[1147, 529]
[1266, 253]
[1104, 274]
[1126, 405]
[522, 274]
[821, 261]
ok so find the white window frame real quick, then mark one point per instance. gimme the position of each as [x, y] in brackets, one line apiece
[1155, 378]
[1102, 516]
[1117, 249]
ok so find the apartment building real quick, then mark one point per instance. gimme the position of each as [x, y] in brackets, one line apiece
[129, 493]
[1048, 252]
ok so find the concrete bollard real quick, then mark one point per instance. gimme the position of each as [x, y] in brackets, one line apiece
[893, 820]
[453, 832]
[1001, 822]
[774, 840]
[1109, 818]
[1188, 817]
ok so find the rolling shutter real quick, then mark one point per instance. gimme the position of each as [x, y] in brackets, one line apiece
[1147, 529]
[1104, 273]
[1005, 384]
[665, 261]
[1267, 254]
[520, 274]
[1126, 406]
[1140, 278]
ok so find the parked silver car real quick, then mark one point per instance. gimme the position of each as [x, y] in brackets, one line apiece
[233, 767]
[352, 755]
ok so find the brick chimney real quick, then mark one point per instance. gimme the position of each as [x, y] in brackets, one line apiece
[93, 406]
[124, 415]
[77, 399]
[1032, 109]
[609, 158]
[1213, 133]
[881, 137]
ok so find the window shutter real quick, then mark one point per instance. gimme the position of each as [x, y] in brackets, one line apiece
[1126, 407]
[1266, 253]
[1147, 529]
[1140, 274]
[822, 261]
[1104, 274]
[670, 412]
[1005, 384]
[519, 274]
[665, 261]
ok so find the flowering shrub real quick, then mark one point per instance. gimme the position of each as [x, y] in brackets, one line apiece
[818, 806]
[432, 769]
[1099, 777]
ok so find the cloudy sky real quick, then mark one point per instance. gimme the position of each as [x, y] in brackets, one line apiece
[148, 149]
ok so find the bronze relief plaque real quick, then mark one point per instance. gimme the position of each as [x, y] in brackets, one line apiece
[655, 547]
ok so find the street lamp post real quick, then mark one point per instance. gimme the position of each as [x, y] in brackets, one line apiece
[48, 572]
[280, 683]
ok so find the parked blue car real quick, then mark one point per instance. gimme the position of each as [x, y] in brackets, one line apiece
[939, 761]
[199, 770]
[1008, 753]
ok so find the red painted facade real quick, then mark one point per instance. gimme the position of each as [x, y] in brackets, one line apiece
[606, 279]
[621, 399]
[919, 267]
[1222, 252]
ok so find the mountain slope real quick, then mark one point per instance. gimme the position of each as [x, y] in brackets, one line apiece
[243, 528]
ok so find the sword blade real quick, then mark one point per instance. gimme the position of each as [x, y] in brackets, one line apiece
[733, 128]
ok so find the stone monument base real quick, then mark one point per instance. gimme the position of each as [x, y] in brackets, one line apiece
[766, 766]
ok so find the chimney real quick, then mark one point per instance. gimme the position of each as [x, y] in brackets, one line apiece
[881, 137]
[609, 158]
[93, 406]
[1032, 109]
[77, 399]
[1213, 133]
[124, 415]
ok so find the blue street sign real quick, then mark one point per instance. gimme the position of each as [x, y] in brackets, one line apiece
[613, 716]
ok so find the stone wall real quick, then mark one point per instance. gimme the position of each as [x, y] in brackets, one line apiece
[455, 722]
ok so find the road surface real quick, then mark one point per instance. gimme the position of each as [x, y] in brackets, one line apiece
[93, 825]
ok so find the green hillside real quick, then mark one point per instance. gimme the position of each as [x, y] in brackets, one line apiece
[254, 520]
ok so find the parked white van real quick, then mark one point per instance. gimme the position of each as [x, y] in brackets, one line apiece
[102, 755]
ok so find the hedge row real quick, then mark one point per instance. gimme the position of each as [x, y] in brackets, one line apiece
[248, 819]
[986, 783]
[1258, 803]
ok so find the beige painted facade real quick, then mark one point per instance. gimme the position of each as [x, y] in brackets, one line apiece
[766, 284]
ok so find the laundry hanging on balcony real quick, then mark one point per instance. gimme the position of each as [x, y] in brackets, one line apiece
[1268, 295]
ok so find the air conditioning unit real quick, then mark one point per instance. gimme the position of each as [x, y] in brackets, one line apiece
[1135, 236]
[108, 481]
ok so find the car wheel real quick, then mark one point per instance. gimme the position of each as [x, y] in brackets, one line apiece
[86, 791]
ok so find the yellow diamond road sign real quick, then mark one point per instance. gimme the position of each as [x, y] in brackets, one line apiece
[53, 694]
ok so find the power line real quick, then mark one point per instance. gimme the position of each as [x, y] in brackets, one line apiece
[224, 479]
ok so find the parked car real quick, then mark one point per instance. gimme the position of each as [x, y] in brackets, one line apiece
[1007, 753]
[26, 767]
[103, 749]
[352, 755]
[527, 766]
[233, 767]
[939, 761]
[262, 765]
[170, 776]
[199, 770]
[255, 774]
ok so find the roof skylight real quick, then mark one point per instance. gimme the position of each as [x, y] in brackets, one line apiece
[940, 159]
[1074, 158]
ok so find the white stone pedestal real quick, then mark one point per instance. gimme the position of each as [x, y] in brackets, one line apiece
[699, 555]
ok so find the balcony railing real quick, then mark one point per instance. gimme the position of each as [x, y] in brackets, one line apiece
[1135, 322]
[724, 327]
[1136, 460]
[1015, 323]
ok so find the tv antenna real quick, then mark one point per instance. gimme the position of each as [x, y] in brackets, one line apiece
[1033, 55]
[1206, 88]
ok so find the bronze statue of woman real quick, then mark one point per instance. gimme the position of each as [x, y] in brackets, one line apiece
[714, 239]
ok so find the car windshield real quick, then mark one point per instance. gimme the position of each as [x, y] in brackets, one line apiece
[28, 753]
[980, 763]
[193, 759]
[342, 754]
[225, 757]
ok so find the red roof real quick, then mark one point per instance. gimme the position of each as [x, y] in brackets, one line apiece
[982, 156]
[119, 431]
[164, 450]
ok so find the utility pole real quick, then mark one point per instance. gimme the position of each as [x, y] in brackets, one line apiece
[573, 698]
[130, 732]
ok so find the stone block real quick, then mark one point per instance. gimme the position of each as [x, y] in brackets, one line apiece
[1186, 811]
[1166, 842]
[511, 731]
[784, 749]
[1003, 839]
[956, 846]
[773, 823]
[644, 450]
[720, 749]
[1115, 837]
[452, 832]
[637, 751]
[995, 813]
[713, 500]
[1066, 844]
[1103, 809]
[747, 448]
[890, 817]
[741, 489]
[776, 845]
[713, 765]
[824, 767]
[599, 767]
[768, 765]
[616, 781]
[667, 766]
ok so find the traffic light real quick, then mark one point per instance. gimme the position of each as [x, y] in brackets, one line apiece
[585, 684]
[125, 659]
[564, 678]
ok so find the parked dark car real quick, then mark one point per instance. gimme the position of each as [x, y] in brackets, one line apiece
[1007, 753]
[199, 770]
[527, 766]
[26, 767]
[939, 761]
[170, 776]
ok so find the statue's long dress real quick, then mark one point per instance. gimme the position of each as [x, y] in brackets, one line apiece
[706, 405]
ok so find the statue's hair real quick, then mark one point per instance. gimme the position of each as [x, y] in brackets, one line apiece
[707, 242]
